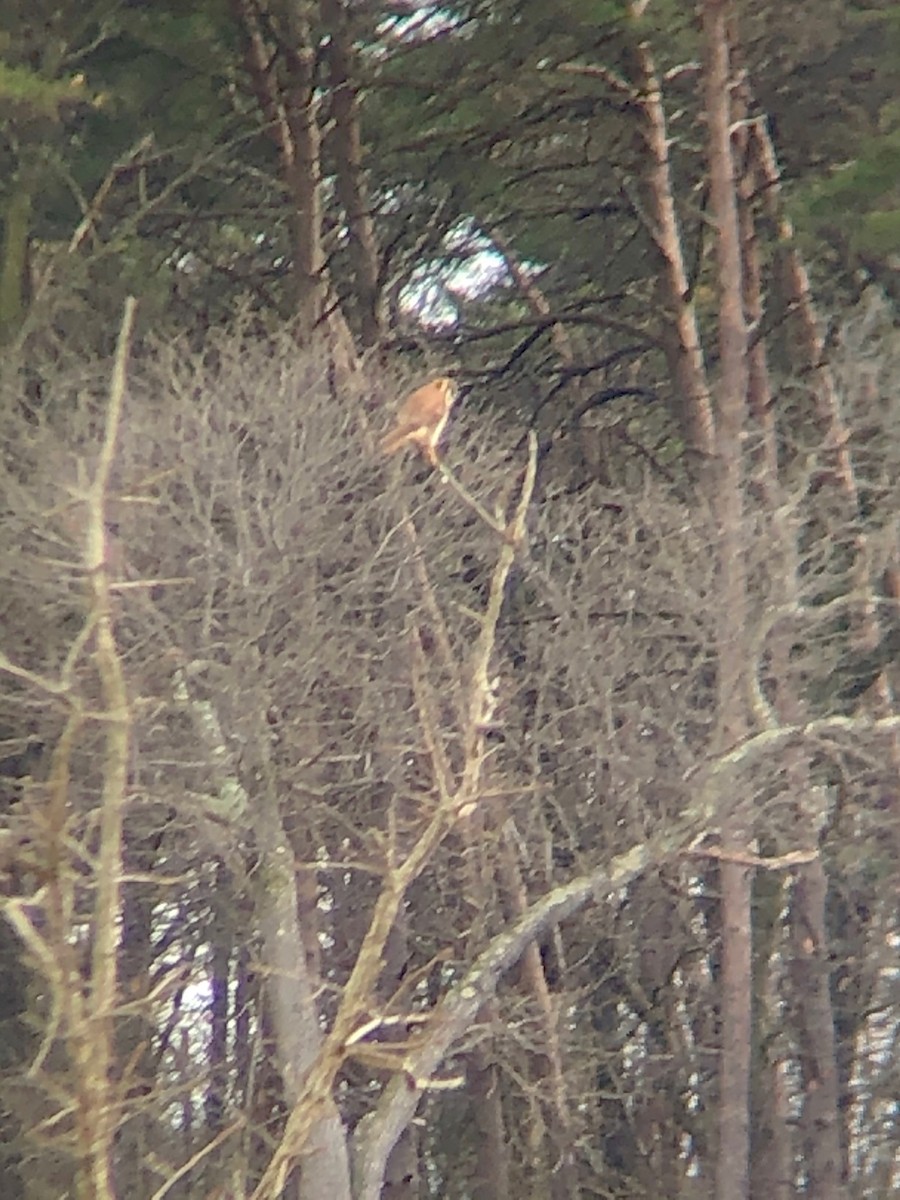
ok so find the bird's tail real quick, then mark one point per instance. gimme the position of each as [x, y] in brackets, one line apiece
[394, 441]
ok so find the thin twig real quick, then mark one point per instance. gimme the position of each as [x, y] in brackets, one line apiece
[466, 496]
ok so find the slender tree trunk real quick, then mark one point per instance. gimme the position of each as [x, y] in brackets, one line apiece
[491, 1181]
[549, 1069]
[134, 1032]
[401, 1177]
[298, 1036]
[824, 1137]
[304, 169]
[352, 188]
[819, 1123]
[771, 1163]
[732, 1172]
[17, 1049]
[837, 449]
[289, 104]
[215, 1100]
[14, 259]
[685, 351]
[491, 1151]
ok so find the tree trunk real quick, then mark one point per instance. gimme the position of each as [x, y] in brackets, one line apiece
[548, 1068]
[819, 1124]
[14, 260]
[683, 344]
[298, 1036]
[289, 104]
[350, 175]
[732, 1172]
[491, 1180]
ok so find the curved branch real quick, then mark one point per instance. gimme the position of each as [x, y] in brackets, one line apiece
[377, 1133]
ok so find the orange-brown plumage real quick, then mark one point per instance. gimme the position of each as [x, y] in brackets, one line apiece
[421, 419]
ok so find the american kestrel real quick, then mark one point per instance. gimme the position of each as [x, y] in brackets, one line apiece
[421, 419]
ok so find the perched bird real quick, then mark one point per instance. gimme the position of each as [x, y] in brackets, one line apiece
[421, 419]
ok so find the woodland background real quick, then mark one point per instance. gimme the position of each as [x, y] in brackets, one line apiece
[529, 826]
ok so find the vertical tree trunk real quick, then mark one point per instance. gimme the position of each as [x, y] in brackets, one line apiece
[771, 1163]
[491, 1151]
[350, 175]
[215, 1100]
[549, 1070]
[819, 1123]
[298, 1036]
[825, 1139]
[14, 259]
[304, 169]
[401, 1177]
[16, 1049]
[684, 347]
[289, 104]
[134, 1031]
[732, 1172]
[491, 1180]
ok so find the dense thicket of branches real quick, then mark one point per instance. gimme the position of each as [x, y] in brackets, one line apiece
[295, 622]
[522, 826]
